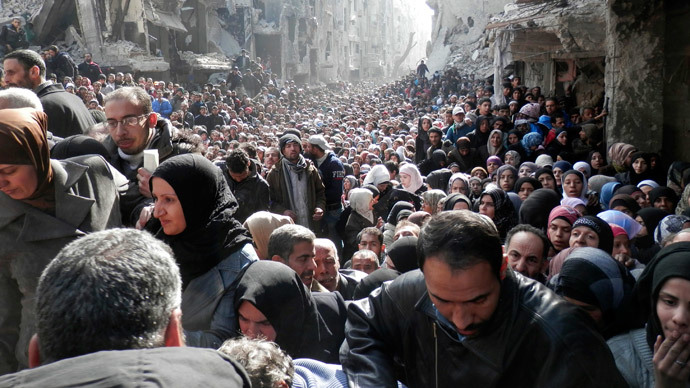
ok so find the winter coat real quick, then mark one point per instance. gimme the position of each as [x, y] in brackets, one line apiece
[252, 194]
[534, 339]
[633, 358]
[86, 200]
[66, 112]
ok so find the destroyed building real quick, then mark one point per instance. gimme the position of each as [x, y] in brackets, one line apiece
[628, 55]
[190, 40]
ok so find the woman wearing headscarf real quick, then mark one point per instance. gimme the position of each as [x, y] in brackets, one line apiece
[619, 155]
[411, 180]
[430, 200]
[525, 186]
[635, 193]
[674, 178]
[684, 203]
[438, 180]
[607, 193]
[584, 168]
[349, 183]
[493, 163]
[195, 208]
[663, 198]
[271, 301]
[596, 161]
[546, 179]
[457, 201]
[559, 144]
[530, 143]
[494, 146]
[506, 176]
[45, 204]
[464, 155]
[362, 216]
[459, 183]
[624, 203]
[392, 221]
[480, 135]
[535, 209]
[591, 279]
[559, 227]
[558, 169]
[512, 157]
[655, 356]
[574, 184]
[639, 169]
[527, 169]
[590, 231]
[670, 225]
[260, 225]
[495, 204]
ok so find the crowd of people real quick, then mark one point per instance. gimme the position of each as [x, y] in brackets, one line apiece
[425, 232]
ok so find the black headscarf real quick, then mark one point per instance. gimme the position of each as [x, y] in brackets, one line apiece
[663, 191]
[601, 228]
[78, 145]
[396, 208]
[438, 179]
[536, 208]
[505, 217]
[526, 179]
[672, 261]
[625, 200]
[636, 178]
[278, 292]
[543, 171]
[212, 233]
[592, 276]
[454, 198]
[403, 253]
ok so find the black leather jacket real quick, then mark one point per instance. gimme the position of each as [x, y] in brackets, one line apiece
[534, 339]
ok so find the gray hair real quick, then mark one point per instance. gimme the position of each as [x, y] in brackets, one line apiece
[366, 254]
[133, 94]
[14, 98]
[283, 239]
[110, 290]
[328, 244]
[265, 363]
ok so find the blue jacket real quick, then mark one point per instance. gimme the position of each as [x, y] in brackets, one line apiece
[332, 173]
[163, 107]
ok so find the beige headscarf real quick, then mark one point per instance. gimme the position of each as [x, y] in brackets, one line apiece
[261, 225]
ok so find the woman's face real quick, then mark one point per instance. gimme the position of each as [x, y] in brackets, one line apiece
[458, 186]
[476, 187]
[623, 209]
[253, 323]
[509, 159]
[559, 233]
[405, 179]
[621, 245]
[643, 232]
[525, 190]
[496, 140]
[583, 236]
[491, 167]
[487, 206]
[557, 173]
[461, 205]
[572, 186]
[347, 185]
[426, 124]
[673, 307]
[513, 138]
[547, 181]
[597, 161]
[506, 180]
[639, 165]
[484, 126]
[524, 172]
[479, 174]
[167, 208]
[18, 181]
[562, 138]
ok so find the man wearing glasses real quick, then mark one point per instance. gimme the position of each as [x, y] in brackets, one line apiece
[133, 127]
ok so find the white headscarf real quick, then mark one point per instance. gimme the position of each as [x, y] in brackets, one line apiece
[377, 175]
[360, 200]
[416, 180]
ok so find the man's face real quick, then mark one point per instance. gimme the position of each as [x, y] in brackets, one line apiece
[434, 138]
[550, 107]
[525, 254]
[131, 140]
[459, 118]
[16, 76]
[364, 263]
[370, 242]
[467, 298]
[87, 58]
[327, 266]
[239, 176]
[301, 260]
[485, 108]
[291, 151]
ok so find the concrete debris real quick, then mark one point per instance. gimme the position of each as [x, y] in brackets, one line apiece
[211, 61]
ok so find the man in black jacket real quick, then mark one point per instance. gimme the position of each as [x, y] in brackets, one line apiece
[89, 68]
[248, 187]
[466, 320]
[63, 62]
[67, 114]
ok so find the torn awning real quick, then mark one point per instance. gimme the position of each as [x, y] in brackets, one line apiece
[163, 18]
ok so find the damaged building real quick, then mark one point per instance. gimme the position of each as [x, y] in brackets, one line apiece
[628, 55]
[190, 40]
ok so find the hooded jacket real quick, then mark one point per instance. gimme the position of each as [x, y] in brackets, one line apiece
[534, 339]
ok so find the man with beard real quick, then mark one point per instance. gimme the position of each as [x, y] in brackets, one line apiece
[293, 245]
[296, 188]
[67, 114]
[465, 320]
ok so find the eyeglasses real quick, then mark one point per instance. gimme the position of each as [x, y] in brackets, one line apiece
[129, 121]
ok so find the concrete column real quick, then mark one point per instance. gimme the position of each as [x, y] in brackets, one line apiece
[200, 34]
[634, 72]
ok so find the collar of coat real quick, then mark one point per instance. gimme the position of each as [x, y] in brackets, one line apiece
[70, 209]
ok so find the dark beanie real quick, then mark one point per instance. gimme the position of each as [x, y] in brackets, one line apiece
[403, 253]
[288, 138]
[601, 228]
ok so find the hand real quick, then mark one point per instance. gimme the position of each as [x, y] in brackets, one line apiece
[318, 214]
[670, 358]
[626, 260]
[143, 176]
[291, 214]
[144, 217]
